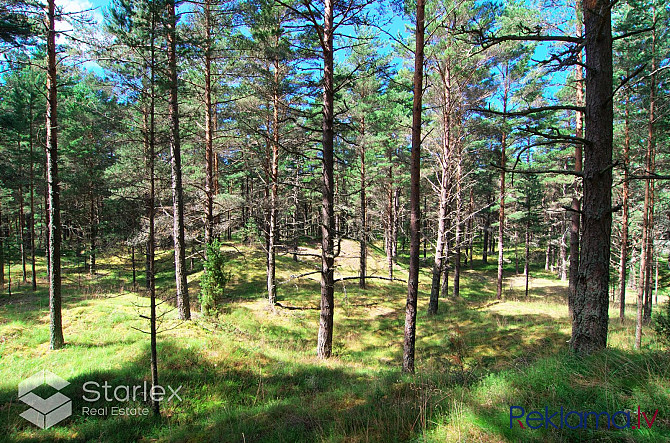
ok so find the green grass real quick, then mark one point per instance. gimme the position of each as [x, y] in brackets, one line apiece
[250, 374]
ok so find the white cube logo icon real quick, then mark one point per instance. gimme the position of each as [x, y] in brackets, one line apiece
[45, 412]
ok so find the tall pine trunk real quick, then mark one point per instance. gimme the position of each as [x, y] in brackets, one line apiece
[151, 243]
[32, 195]
[458, 223]
[364, 217]
[415, 213]
[53, 186]
[325, 338]
[209, 130]
[274, 172]
[501, 211]
[651, 166]
[444, 163]
[22, 226]
[175, 156]
[590, 322]
[624, 217]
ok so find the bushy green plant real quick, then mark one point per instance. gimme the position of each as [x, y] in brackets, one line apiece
[214, 279]
[662, 324]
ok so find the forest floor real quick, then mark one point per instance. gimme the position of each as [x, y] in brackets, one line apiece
[250, 373]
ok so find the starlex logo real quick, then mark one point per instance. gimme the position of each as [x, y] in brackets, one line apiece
[579, 419]
[45, 412]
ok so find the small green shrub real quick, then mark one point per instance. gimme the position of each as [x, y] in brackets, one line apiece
[214, 279]
[662, 324]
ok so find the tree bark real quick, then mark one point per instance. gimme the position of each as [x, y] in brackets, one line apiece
[209, 129]
[32, 194]
[274, 176]
[175, 156]
[364, 219]
[444, 163]
[651, 166]
[526, 266]
[390, 218]
[458, 220]
[589, 326]
[53, 186]
[438, 263]
[501, 212]
[94, 232]
[487, 227]
[325, 337]
[415, 213]
[563, 268]
[624, 217]
[22, 226]
[151, 244]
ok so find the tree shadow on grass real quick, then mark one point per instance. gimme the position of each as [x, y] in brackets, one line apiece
[267, 400]
[610, 381]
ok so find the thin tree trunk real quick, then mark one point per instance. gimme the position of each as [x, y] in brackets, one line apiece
[147, 138]
[391, 220]
[94, 233]
[624, 217]
[22, 225]
[209, 130]
[53, 186]
[274, 173]
[651, 167]
[470, 232]
[485, 242]
[563, 265]
[175, 156]
[151, 213]
[32, 195]
[526, 266]
[501, 213]
[643, 295]
[364, 218]
[458, 220]
[396, 224]
[589, 326]
[415, 213]
[656, 281]
[132, 260]
[444, 163]
[438, 263]
[424, 229]
[547, 255]
[325, 337]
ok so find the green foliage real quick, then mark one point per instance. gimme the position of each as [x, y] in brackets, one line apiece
[662, 324]
[214, 279]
